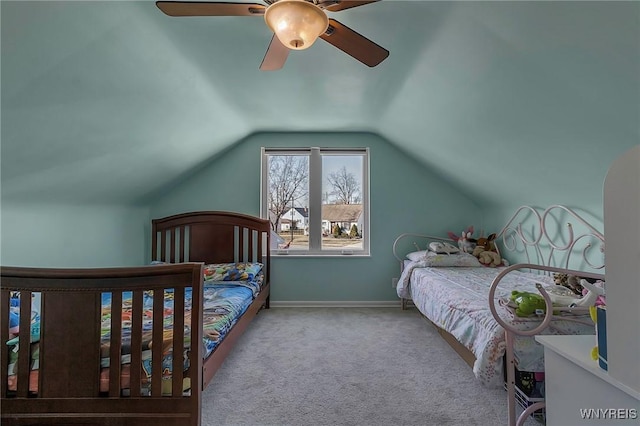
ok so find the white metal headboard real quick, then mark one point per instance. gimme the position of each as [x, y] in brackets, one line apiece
[556, 236]
[421, 238]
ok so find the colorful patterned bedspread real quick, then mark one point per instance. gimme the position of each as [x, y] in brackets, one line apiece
[456, 299]
[223, 303]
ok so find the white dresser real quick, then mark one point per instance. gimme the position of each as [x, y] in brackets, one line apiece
[578, 391]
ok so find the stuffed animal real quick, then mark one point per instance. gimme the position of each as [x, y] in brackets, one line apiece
[593, 294]
[572, 282]
[487, 258]
[527, 303]
[487, 252]
[466, 244]
[487, 243]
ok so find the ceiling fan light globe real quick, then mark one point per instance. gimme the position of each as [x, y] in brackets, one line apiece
[296, 23]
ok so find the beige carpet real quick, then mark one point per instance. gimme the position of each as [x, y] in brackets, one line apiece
[347, 366]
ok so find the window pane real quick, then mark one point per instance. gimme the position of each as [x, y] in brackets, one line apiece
[288, 199]
[317, 200]
[342, 202]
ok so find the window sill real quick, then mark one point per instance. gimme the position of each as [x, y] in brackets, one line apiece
[284, 253]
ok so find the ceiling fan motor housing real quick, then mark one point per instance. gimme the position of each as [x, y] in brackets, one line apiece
[296, 23]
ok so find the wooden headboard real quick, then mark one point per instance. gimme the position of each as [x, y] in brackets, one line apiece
[210, 237]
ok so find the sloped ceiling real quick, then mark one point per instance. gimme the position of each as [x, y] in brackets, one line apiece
[110, 101]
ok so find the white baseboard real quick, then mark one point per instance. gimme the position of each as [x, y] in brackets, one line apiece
[335, 304]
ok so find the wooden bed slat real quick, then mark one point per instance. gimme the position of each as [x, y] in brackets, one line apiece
[178, 341]
[5, 301]
[154, 244]
[163, 247]
[252, 252]
[115, 344]
[181, 235]
[24, 354]
[136, 343]
[259, 245]
[157, 342]
[241, 246]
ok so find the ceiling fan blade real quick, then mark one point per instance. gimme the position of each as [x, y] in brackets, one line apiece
[196, 8]
[354, 44]
[339, 5]
[276, 55]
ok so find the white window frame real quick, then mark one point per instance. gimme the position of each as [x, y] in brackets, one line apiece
[315, 199]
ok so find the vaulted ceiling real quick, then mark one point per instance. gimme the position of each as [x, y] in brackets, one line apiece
[109, 101]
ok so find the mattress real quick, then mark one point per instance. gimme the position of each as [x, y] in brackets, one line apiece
[456, 299]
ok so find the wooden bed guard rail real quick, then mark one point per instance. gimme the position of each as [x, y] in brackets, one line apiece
[65, 388]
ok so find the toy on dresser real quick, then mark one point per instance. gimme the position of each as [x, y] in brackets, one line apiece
[571, 290]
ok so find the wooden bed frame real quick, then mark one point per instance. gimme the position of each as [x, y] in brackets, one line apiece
[68, 391]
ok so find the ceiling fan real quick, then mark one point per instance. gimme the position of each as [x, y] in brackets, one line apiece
[296, 25]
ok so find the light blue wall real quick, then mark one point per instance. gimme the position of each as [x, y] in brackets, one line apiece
[52, 235]
[405, 197]
[588, 204]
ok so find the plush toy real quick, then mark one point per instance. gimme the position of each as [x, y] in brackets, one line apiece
[487, 243]
[572, 282]
[466, 244]
[593, 294]
[527, 303]
[487, 252]
[487, 258]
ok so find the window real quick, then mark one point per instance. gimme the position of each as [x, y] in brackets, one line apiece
[317, 200]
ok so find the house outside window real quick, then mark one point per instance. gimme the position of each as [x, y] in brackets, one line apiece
[317, 200]
[296, 218]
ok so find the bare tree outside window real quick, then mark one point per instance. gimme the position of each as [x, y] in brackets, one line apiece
[288, 183]
[345, 187]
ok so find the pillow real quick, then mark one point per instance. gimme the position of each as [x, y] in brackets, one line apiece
[443, 247]
[415, 256]
[231, 271]
[460, 259]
